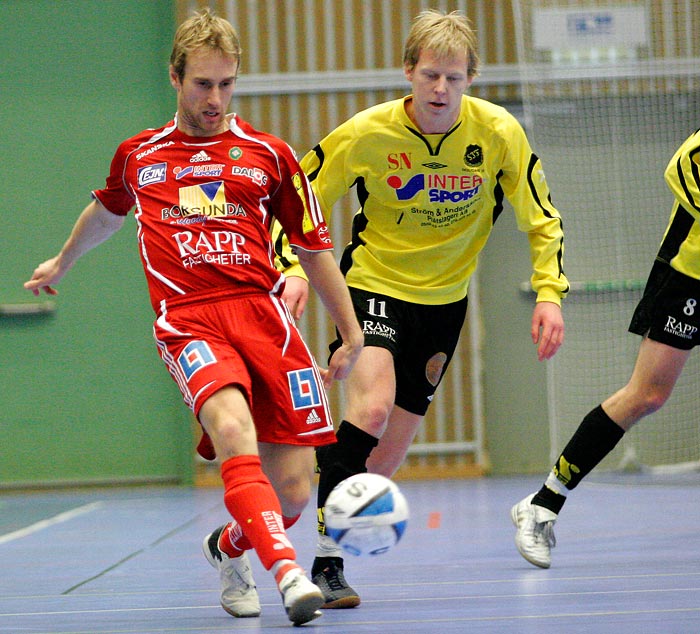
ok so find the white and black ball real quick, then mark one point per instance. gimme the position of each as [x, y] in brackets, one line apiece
[366, 514]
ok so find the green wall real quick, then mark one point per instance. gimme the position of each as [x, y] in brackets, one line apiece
[515, 382]
[84, 396]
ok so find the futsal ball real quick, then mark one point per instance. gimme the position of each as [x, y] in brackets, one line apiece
[366, 514]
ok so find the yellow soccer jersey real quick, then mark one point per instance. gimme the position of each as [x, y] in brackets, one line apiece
[428, 202]
[680, 246]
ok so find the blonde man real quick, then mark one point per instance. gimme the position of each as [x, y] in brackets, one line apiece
[431, 171]
[206, 187]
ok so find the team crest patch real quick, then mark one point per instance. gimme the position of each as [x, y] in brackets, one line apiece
[473, 156]
[304, 388]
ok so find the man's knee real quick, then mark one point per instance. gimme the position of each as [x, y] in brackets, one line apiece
[294, 493]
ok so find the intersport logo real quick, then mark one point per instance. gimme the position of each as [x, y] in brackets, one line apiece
[441, 188]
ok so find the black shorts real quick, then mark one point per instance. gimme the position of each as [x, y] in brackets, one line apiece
[422, 339]
[669, 311]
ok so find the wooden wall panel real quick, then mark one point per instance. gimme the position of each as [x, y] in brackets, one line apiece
[310, 64]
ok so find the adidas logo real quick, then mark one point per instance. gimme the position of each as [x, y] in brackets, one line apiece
[199, 157]
[313, 418]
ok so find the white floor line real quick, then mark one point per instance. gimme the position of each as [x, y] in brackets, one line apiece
[51, 521]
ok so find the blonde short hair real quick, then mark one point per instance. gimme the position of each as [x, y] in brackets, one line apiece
[446, 34]
[203, 30]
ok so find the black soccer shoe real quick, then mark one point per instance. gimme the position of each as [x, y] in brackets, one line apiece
[327, 574]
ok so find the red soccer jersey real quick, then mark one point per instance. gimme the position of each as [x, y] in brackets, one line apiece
[204, 206]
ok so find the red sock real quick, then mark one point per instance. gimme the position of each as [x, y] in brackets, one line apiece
[252, 502]
[283, 567]
[290, 521]
[233, 542]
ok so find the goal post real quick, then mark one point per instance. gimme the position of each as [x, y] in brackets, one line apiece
[610, 90]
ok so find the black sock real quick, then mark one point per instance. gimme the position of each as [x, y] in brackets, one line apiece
[595, 438]
[342, 459]
[549, 499]
[336, 462]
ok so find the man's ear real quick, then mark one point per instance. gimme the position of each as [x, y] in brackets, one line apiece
[174, 79]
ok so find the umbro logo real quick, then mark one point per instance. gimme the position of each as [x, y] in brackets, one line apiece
[313, 418]
[200, 157]
[434, 165]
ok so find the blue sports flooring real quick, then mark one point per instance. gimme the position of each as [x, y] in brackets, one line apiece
[129, 561]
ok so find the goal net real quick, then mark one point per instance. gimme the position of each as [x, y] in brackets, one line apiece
[610, 90]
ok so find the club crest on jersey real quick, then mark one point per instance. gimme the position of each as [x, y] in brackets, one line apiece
[150, 174]
[304, 388]
[195, 356]
[473, 156]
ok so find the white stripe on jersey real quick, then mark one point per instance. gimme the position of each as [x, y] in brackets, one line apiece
[144, 251]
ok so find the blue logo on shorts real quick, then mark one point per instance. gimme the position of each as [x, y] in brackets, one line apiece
[304, 388]
[194, 357]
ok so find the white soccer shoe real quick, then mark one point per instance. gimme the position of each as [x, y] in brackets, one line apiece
[301, 598]
[535, 535]
[239, 596]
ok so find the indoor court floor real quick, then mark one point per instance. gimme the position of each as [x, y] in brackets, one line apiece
[129, 561]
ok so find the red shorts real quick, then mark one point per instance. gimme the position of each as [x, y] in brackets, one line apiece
[250, 342]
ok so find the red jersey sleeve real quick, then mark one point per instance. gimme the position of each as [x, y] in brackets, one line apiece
[296, 207]
[116, 196]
